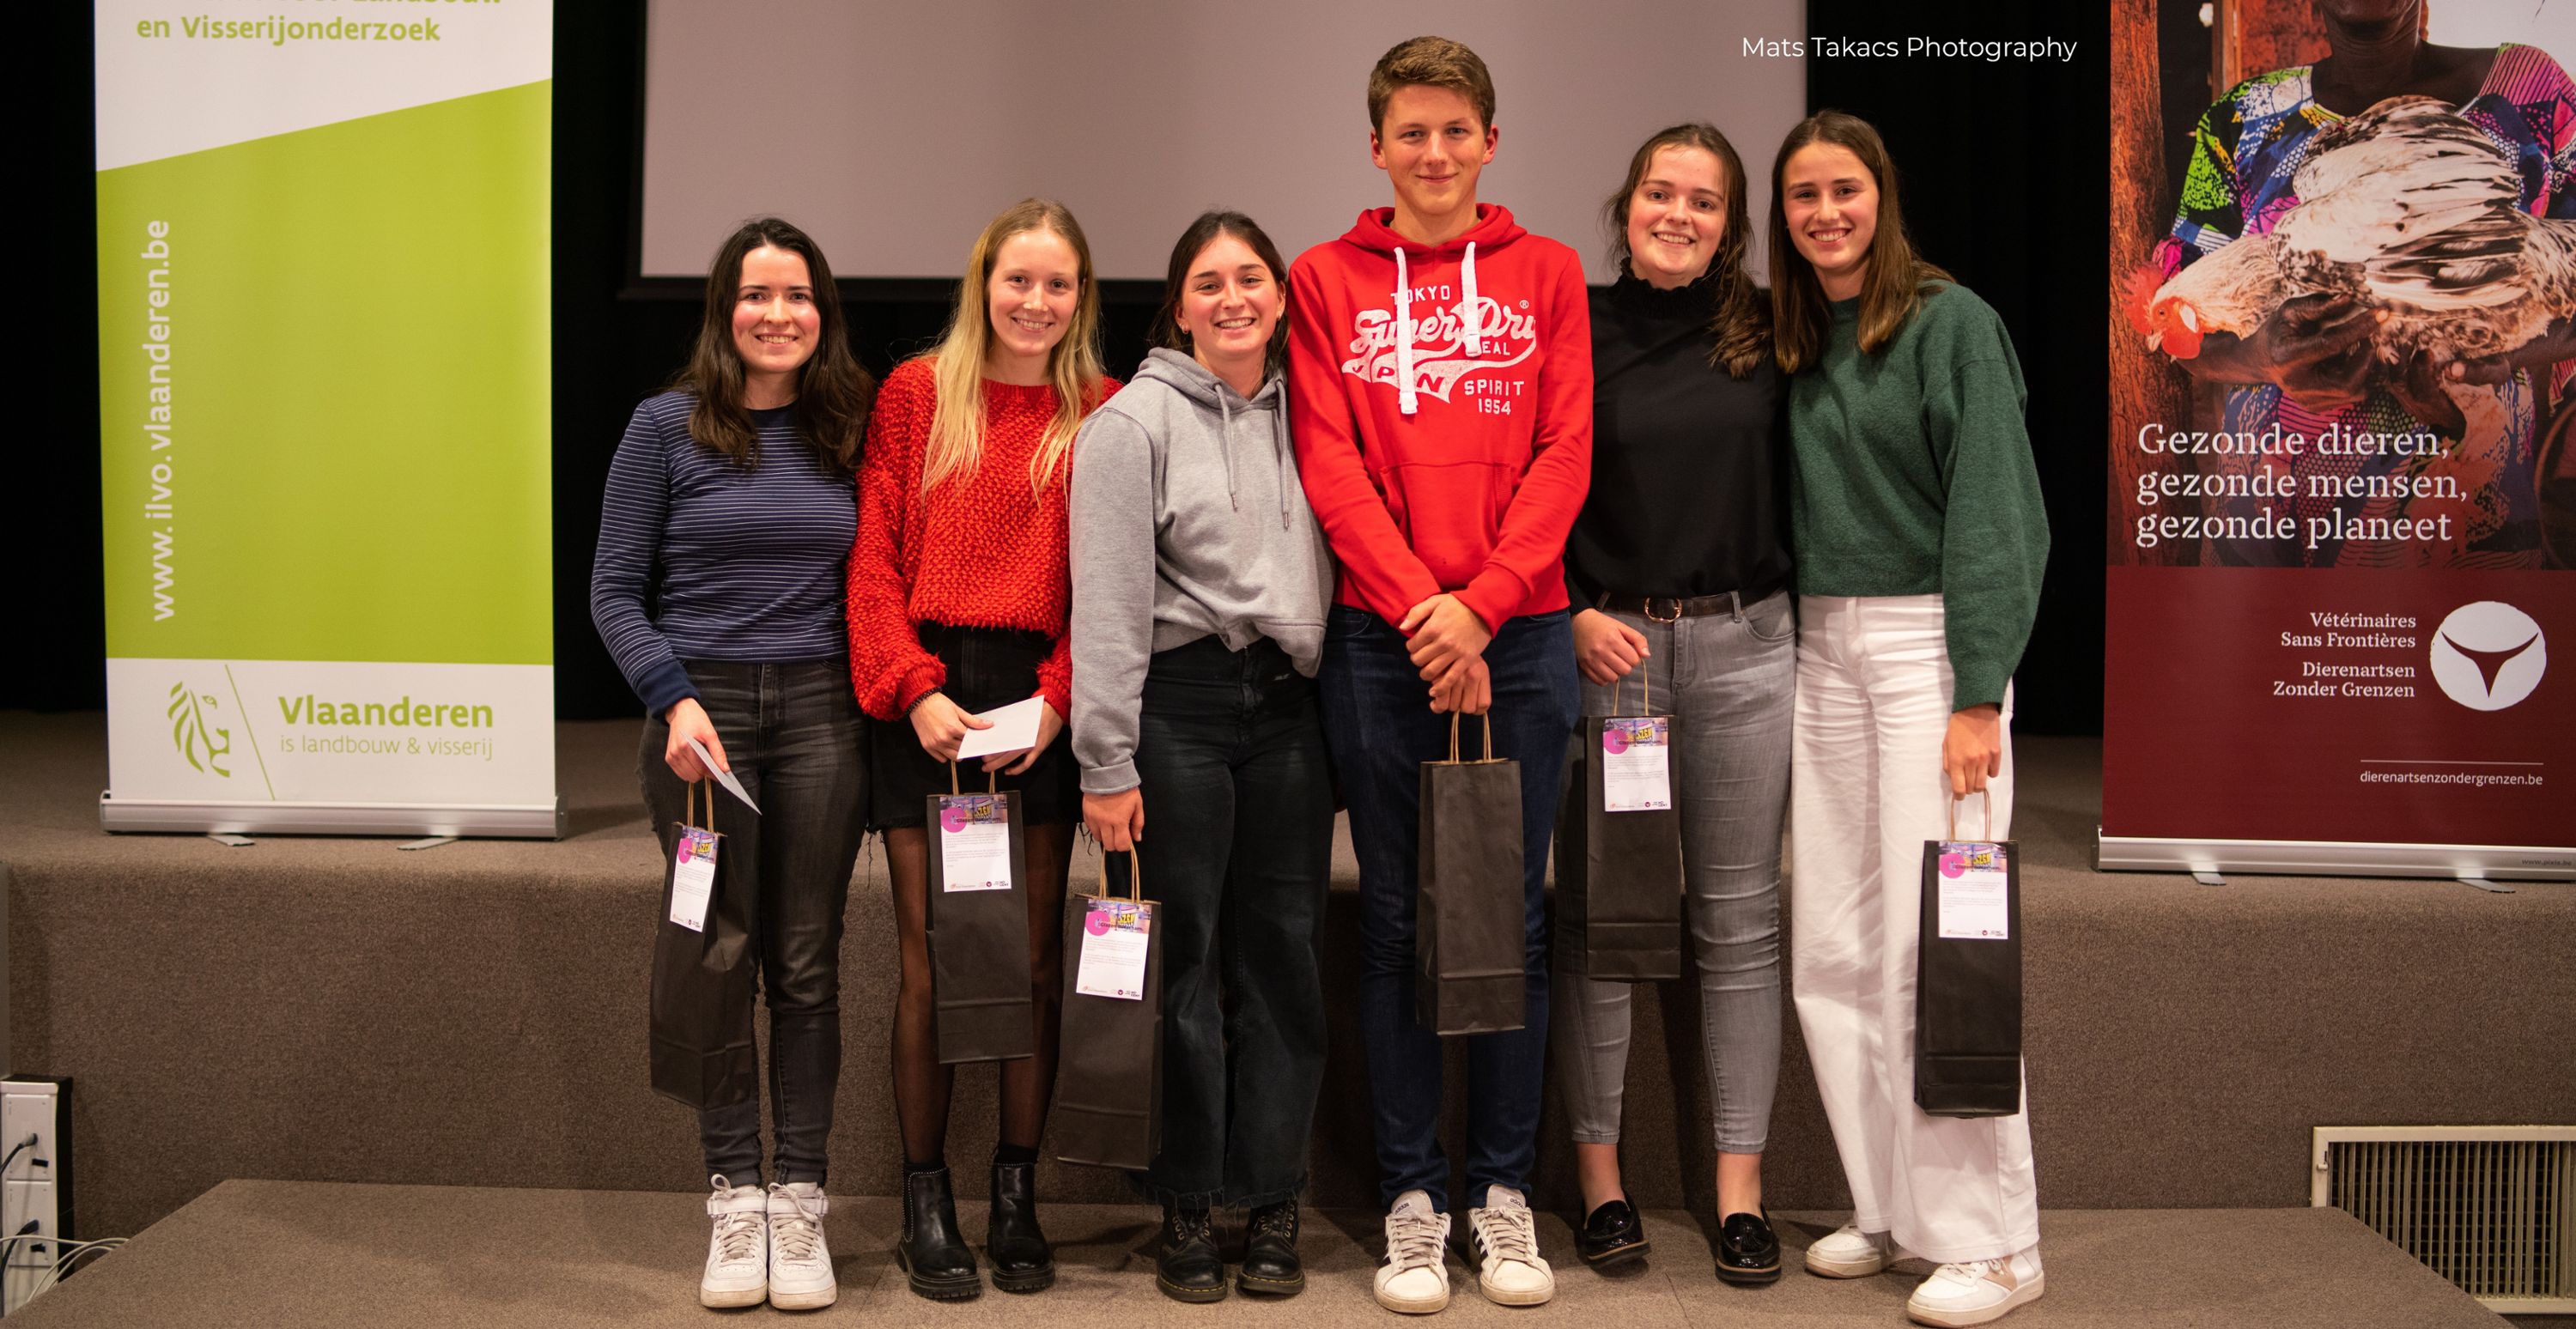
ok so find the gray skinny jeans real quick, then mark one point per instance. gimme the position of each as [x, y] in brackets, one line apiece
[1728, 681]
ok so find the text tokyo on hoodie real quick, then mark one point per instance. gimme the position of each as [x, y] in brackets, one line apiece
[1442, 403]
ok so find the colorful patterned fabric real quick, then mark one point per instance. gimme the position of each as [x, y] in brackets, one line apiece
[2246, 153]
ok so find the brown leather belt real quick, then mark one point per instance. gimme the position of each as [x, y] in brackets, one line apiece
[1665, 609]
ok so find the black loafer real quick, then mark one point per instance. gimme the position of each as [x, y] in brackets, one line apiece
[1748, 1252]
[1612, 1236]
[1270, 1263]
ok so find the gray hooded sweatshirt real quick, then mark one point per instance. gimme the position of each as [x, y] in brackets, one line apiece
[1188, 521]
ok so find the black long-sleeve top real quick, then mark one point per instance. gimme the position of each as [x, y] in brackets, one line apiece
[1690, 467]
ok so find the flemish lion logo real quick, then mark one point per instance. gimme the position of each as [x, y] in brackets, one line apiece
[204, 746]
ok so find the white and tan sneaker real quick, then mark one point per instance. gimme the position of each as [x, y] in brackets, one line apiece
[737, 1272]
[1505, 1241]
[1415, 1278]
[800, 1266]
[1848, 1252]
[1977, 1291]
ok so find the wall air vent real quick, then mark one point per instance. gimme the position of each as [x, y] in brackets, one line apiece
[2490, 1208]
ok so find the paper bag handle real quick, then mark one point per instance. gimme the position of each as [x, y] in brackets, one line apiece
[1135, 876]
[992, 781]
[1986, 798]
[689, 804]
[1645, 682]
[1453, 742]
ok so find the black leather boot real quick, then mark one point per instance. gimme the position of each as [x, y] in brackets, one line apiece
[1188, 1267]
[932, 1253]
[1270, 1264]
[1022, 1260]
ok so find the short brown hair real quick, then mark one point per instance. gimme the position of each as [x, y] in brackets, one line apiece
[1431, 62]
[1210, 225]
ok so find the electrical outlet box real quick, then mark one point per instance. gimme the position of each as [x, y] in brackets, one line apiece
[35, 1187]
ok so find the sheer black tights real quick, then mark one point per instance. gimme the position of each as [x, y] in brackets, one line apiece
[922, 1085]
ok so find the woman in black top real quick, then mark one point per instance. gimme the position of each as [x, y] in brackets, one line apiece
[1678, 569]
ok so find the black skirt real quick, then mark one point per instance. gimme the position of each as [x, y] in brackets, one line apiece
[987, 668]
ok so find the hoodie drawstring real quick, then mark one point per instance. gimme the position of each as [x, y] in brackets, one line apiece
[1467, 283]
[1225, 444]
[1404, 398]
[1279, 449]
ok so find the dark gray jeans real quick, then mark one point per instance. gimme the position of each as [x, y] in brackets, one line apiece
[793, 736]
[1728, 681]
[1237, 849]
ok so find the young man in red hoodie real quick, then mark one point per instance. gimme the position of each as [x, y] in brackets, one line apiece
[1440, 378]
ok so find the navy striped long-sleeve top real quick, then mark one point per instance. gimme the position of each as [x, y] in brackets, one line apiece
[702, 559]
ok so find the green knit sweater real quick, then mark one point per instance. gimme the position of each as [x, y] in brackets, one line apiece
[1913, 475]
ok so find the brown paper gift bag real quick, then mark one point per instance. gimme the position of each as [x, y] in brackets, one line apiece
[701, 1041]
[1619, 874]
[1967, 977]
[1469, 911]
[978, 926]
[1109, 1076]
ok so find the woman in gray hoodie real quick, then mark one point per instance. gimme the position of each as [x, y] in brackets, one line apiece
[1200, 581]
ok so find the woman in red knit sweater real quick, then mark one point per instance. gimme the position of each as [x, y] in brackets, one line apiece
[957, 604]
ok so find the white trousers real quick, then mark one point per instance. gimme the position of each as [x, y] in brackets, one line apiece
[1866, 790]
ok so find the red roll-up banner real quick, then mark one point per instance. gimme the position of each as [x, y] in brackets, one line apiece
[2343, 502]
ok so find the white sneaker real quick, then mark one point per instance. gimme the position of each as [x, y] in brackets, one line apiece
[737, 1272]
[800, 1266]
[1848, 1252]
[1977, 1291]
[1505, 1241]
[1415, 1278]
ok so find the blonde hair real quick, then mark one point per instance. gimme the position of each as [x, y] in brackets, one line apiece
[1074, 367]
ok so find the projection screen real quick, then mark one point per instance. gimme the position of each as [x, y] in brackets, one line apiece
[892, 132]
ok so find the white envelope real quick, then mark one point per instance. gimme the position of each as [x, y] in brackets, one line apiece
[1015, 729]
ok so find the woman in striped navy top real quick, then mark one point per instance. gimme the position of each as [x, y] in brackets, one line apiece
[718, 589]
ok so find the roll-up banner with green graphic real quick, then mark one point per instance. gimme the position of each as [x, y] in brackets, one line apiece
[323, 398]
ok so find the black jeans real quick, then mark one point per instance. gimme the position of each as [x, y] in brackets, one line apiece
[1238, 847]
[793, 735]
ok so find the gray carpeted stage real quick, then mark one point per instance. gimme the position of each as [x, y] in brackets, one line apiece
[287, 1255]
[472, 1015]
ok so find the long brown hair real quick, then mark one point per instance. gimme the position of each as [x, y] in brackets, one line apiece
[1074, 367]
[1741, 317]
[833, 391]
[1893, 280]
[1168, 332]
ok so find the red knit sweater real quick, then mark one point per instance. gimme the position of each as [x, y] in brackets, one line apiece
[980, 552]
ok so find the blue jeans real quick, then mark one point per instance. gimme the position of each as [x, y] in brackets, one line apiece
[794, 736]
[1378, 719]
[1239, 813]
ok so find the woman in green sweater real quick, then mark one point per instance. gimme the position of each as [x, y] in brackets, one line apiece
[1915, 511]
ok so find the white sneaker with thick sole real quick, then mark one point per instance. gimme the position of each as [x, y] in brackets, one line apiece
[1977, 1291]
[800, 1266]
[737, 1272]
[1848, 1252]
[1415, 1278]
[1505, 1241]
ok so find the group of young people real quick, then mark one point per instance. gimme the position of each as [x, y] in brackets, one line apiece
[1420, 473]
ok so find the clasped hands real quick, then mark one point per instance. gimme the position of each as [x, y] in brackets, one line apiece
[1446, 642]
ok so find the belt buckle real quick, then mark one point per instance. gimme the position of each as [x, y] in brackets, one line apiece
[1673, 617]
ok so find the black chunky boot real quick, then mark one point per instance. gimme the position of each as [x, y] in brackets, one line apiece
[1188, 1267]
[932, 1253]
[1270, 1264]
[1022, 1260]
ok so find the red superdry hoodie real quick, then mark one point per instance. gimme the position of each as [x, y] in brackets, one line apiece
[1441, 398]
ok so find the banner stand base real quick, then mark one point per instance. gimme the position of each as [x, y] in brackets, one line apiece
[2205, 859]
[517, 821]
